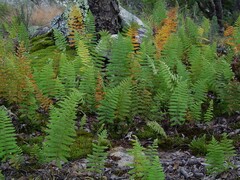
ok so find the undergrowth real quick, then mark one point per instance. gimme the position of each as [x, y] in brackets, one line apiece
[175, 74]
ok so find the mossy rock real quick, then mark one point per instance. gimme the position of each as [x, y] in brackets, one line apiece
[82, 145]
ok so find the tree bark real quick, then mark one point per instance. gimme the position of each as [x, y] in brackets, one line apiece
[219, 14]
[106, 13]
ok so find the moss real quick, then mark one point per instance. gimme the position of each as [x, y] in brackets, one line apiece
[172, 142]
[36, 140]
[145, 133]
[82, 145]
[41, 44]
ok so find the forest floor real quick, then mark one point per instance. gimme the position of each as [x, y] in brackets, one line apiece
[179, 161]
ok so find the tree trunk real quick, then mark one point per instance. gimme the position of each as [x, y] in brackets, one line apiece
[238, 5]
[106, 15]
[219, 14]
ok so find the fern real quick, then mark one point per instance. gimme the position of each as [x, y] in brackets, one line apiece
[1, 175]
[179, 103]
[23, 35]
[199, 145]
[218, 153]
[156, 170]
[140, 164]
[8, 143]
[67, 73]
[215, 157]
[115, 107]
[97, 160]
[60, 40]
[145, 166]
[119, 67]
[75, 24]
[57, 145]
[47, 82]
[208, 116]
[233, 97]
[163, 33]
[157, 128]
[227, 147]
[159, 12]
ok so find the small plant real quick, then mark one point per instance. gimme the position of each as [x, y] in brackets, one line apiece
[97, 159]
[60, 40]
[219, 154]
[1, 175]
[8, 143]
[157, 128]
[61, 129]
[199, 145]
[146, 163]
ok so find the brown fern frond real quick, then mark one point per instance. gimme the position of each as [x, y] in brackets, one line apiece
[229, 31]
[162, 33]
[99, 95]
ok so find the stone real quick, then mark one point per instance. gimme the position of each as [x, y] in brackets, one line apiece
[124, 158]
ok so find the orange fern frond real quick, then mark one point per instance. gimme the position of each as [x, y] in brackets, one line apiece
[232, 38]
[229, 31]
[162, 33]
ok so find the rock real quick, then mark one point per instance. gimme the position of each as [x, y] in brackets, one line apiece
[124, 158]
[128, 18]
[38, 31]
[60, 21]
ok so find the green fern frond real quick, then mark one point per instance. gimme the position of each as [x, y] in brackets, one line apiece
[159, 12]
[87, 86]
[60, 40]
[227, 147]
[233, 97]
[156, 170]
[157, 128]
[116, 105]
[146, 164]
[61, 129]
[179, 103]
[67, 73]
[97, 159]
[218, 153]
[140, 164]
[47, 82]
[215, 157]
[199, 96]
[119, 67]
[8, 142]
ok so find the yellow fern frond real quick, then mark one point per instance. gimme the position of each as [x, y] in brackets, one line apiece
[75, 24]
[133, 34]
[84, 55]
